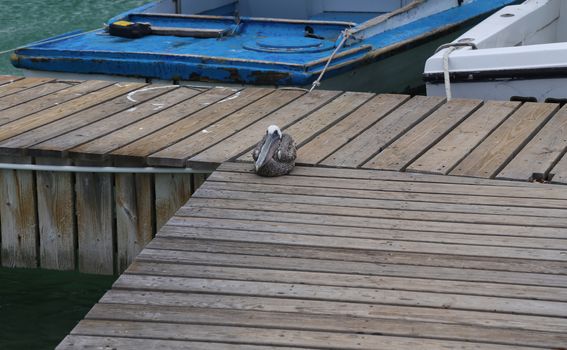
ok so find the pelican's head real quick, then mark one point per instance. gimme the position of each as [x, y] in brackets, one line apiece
[269, 146]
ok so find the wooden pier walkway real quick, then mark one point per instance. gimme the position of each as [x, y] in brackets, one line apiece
[366, 245]
[202, 128]
[345, 259]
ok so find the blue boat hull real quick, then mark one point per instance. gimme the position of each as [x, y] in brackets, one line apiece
[287, 60]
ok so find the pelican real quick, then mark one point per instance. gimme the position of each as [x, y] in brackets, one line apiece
[275, 154]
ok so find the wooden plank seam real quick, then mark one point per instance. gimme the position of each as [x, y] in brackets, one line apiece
[285, 126]
[524, 143]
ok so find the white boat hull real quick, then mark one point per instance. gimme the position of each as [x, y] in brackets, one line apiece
[520, 52]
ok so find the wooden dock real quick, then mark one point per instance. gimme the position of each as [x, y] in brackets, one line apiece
[368, 245]
[345, 259]
[182, 126]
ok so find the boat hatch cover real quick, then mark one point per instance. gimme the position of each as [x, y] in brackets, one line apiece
[289, 45]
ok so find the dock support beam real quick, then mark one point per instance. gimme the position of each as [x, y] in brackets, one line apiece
[84, 217]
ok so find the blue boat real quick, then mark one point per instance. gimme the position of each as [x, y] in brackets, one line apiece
[359, 45]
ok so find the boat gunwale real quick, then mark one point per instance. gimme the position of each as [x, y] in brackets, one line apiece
[298, 66]
[231, 18]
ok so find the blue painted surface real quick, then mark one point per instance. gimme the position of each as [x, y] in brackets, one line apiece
[289, 45]
[227, 59]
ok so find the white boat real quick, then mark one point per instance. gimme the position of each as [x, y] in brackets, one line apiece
[518, 53]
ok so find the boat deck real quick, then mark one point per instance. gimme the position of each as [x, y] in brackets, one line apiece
[345, 259]
[202, 128]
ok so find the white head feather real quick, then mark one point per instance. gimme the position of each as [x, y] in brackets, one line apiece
[272, 129]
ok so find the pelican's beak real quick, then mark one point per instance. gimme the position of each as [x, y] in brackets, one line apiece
[267, 151]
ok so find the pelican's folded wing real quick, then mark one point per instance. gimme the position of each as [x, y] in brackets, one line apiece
[287, 151]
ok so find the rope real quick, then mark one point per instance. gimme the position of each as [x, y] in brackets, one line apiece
[294, 88]
[346, 34]
[446, 74]
[49, 41]
[237, 22]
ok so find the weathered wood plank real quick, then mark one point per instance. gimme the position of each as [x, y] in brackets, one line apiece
[90, 342]
[539, 155]
[157, 267]
[224, 128]
[383, 175]
[369, 256]
[406, 314]
[405, 328]
[171, 192]
[418, 140]
[95, 228]
[559, 171]
[58, 146]
[374, 244]
[246, 139]
[504, 143]
[184, 110]
[377, 244]
[212, 114]
[229, 211]
[134, 195]
[254, 201]
[442, 158]
[9, 79]
[95, 113]
[534, 191]
[51, 100]
[199, 227]
[329, 293]
[348, 128]
[263, 336]
[384, 132]
[152, 143]
[342, 106]
[338, 309]
[318, 196]
[320, 120]
[18, 216]
[21, 85]
[164, 250]
[394, 200]
[56, 215]
[32, 94]
[63, 110]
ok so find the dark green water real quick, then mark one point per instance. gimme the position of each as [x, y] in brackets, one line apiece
[38, 308]
[25, 21]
